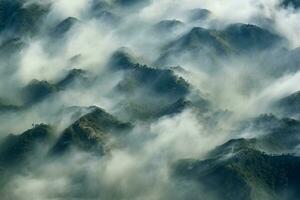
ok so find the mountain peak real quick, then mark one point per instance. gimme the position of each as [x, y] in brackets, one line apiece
[90, 133]
[16, 148]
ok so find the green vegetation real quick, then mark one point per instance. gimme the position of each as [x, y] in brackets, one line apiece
[91, 132]
[157, 81]
[243, 172]
[236, 38]
[289, 105]
[274, 134]
[122, 60]
[21, 19]
[17, 148]
[37, 90]
[63, 27]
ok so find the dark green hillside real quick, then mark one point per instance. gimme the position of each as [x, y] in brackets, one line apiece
[10, 47]
[289, 105]
[274, 134]
[200, 39]
[63, 27]
[17, 148]
[21, 19]
[202, 105]
[240, 172]
[208, 45]
[92, 132]
[155, 81]
[75, 77]
[122, 59]
[150, 92]
[235, 38]
[247, 37]
[37, 91]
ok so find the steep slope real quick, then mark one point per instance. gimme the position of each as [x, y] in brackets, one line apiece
[200, 105]
[17, 148]
[208, 45]
[148, 91]
[235, 38]
[154, 81]
[63, 27]
[37, 90]
[274, 134]
[247, 37]
[75, 77]
[238, 171]
[10, 47]
[201, 39]
[289, 105]
[19, 18]
[92, 132]
[243, 168]
[10, 53]
[122, 59]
